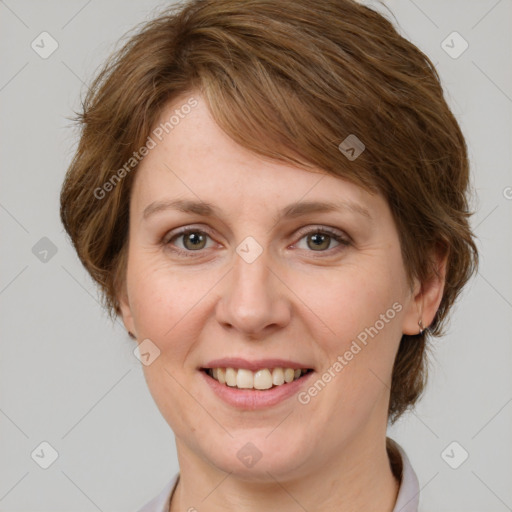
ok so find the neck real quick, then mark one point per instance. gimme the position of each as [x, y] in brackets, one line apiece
[361, 478]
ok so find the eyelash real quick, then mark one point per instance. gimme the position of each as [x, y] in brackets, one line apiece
[335, 235]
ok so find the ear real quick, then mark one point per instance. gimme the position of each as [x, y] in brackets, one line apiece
[126, 312]
[427, 295]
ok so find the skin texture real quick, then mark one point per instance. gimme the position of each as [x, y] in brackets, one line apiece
[295, 301]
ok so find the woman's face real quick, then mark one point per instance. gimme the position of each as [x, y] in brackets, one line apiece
[256, 279]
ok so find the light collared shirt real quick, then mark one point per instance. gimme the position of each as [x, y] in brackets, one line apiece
[407, 499]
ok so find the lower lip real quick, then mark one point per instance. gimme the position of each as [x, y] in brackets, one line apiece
[253, 399]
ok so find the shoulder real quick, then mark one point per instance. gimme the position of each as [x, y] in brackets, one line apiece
[161, 502]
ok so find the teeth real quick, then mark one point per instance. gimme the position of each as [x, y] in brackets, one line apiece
[277, 376]
[244, 379]
[221, 375]
[289, 374]
[261, 379]
[230, 376]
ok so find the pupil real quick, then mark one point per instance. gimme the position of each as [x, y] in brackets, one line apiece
[194, 238]
[318, 239]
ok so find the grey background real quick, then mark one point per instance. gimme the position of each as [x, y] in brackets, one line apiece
[68, 377]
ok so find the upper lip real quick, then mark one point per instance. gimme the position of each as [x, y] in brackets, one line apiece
[256, 364]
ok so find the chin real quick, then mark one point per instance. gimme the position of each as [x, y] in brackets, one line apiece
[257, 457]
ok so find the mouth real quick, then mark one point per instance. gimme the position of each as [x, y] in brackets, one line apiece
[259, 380]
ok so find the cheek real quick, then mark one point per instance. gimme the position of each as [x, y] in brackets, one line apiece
[163, 300]
[355, 299]
[362, 307]
[165, 305]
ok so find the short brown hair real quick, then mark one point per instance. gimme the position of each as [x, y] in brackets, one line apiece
[288, 80]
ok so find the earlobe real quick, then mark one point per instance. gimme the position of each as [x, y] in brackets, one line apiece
[126, 313]
[427, 297]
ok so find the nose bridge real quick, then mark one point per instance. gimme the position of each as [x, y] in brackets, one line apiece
[253, 299]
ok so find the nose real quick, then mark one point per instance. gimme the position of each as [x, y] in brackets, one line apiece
[254, 299]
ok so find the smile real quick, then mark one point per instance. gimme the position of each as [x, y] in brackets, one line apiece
[262, 379]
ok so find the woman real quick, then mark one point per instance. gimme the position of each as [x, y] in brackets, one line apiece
[273, 197]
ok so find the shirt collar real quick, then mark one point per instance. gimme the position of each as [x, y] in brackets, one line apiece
[409, 492]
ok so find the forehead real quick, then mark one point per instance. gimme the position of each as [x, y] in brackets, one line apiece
[196, 160]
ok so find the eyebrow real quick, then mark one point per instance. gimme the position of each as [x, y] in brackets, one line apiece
[293, 210]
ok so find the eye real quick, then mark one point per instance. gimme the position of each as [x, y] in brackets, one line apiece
[192, 240]
[320, 239]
